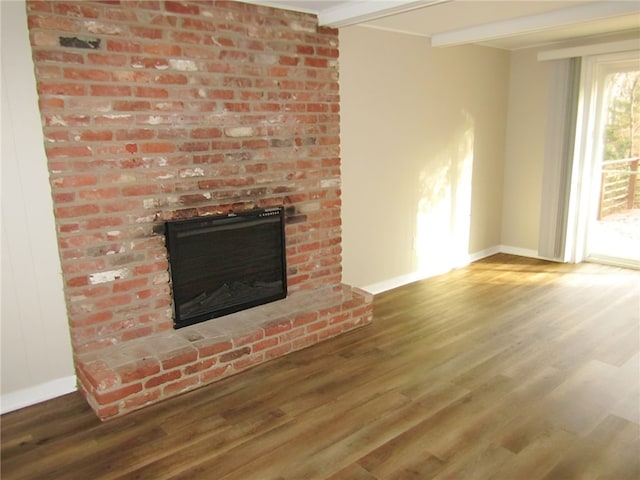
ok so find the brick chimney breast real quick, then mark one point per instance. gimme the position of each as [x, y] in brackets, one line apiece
[156, 110]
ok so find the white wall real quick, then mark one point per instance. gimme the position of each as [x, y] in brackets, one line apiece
[524, 151]
[423, 134]
[36, 358]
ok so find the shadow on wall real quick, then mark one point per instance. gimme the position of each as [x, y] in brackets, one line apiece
[444, 206]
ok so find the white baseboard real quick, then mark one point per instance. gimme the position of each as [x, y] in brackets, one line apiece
[521, 252]
[614, 261]
[487, 252]
[36, 394]
[391, 283]
[408, 278]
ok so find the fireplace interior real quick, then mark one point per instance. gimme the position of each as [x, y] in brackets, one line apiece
[226, 263]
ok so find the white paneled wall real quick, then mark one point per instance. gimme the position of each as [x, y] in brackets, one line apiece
[36, 359]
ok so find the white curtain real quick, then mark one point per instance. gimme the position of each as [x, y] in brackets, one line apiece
[559, 150]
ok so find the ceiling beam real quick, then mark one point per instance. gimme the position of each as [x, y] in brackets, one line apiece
[296, 6]
[534, 23]
[591, 49]
[350, 13]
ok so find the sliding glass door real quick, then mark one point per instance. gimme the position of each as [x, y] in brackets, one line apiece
[608, 198]
[614, 225]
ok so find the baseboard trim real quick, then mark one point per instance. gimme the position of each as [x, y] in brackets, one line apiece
[392, 283]
[408, 278]
[521, 252]
[36, 394]
[614, 261]
[487, 252]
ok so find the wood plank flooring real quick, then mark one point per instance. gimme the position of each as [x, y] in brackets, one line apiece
[510, 368]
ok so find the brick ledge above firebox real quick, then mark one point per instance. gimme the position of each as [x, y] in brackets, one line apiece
[128, 376]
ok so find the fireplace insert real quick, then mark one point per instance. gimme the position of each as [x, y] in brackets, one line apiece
[225, 263]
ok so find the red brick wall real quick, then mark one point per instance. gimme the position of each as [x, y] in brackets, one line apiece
[157, 110]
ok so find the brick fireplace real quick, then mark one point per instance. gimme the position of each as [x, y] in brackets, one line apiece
[161, 110]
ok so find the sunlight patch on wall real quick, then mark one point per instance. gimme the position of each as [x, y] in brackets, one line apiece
[444, 208]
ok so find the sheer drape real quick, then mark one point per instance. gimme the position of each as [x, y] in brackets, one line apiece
[559, 150]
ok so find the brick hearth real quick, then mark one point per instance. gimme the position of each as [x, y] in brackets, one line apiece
[145, 370]
[157, 110]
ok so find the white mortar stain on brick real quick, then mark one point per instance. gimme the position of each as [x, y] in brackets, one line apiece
[115, 116]
[191, 172]
[330, 182]
[266, 58]
[309, 207]
[124, 178]
[109, 276]
[238, 132]
[149, 203]
[146, 219]
[97, 27]
[160, 279]
[183, 65]
[302, 27]
[57, 121]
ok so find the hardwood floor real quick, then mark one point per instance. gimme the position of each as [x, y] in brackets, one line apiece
[510, 368]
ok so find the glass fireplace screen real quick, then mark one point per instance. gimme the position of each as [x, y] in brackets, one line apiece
[225, 263]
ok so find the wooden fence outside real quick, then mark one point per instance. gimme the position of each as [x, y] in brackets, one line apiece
[619, 188]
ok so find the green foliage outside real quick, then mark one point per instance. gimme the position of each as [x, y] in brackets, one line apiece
[621, 186]
[622, 132]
